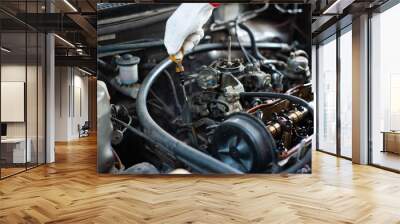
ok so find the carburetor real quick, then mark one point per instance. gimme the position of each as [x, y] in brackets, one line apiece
[220, 84]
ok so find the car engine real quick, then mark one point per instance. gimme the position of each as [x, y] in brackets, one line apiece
[242, 104]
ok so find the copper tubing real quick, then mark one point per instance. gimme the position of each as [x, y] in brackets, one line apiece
[255, 108]
[294, 149]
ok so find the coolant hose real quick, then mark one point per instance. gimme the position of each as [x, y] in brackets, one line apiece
[190, 155]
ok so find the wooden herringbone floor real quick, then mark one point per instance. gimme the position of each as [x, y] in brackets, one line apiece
[70, 191]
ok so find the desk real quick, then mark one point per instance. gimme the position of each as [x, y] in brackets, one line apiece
[13, 150]
[391, 141]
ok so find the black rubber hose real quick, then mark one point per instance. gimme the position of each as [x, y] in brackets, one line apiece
[154, 131]
[236, 46]
[253, 42]
[292, 98]
[244, 51]
[216, 46]
[119, 47]
[104, 67]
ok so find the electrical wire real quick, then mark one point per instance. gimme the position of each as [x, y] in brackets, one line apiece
[253, 13]
[163, 104]
[127, 112]
[139, 133]
[295, 10]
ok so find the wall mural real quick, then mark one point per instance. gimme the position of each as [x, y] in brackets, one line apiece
[201, 88]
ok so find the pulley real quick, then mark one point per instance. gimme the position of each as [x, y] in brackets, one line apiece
[243, 142]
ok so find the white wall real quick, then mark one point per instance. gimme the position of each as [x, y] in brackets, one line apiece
[80, 89]
[70, 84]
[14, 72]
[61, 103]
[33, 127]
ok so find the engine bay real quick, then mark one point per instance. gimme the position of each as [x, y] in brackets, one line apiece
[242, 104]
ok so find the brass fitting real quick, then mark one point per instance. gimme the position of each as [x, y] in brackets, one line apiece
[179, 67]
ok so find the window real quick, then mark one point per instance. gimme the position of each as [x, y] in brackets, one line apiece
[327, 96]
[22, 77]
[385, 89]
[346, 93]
